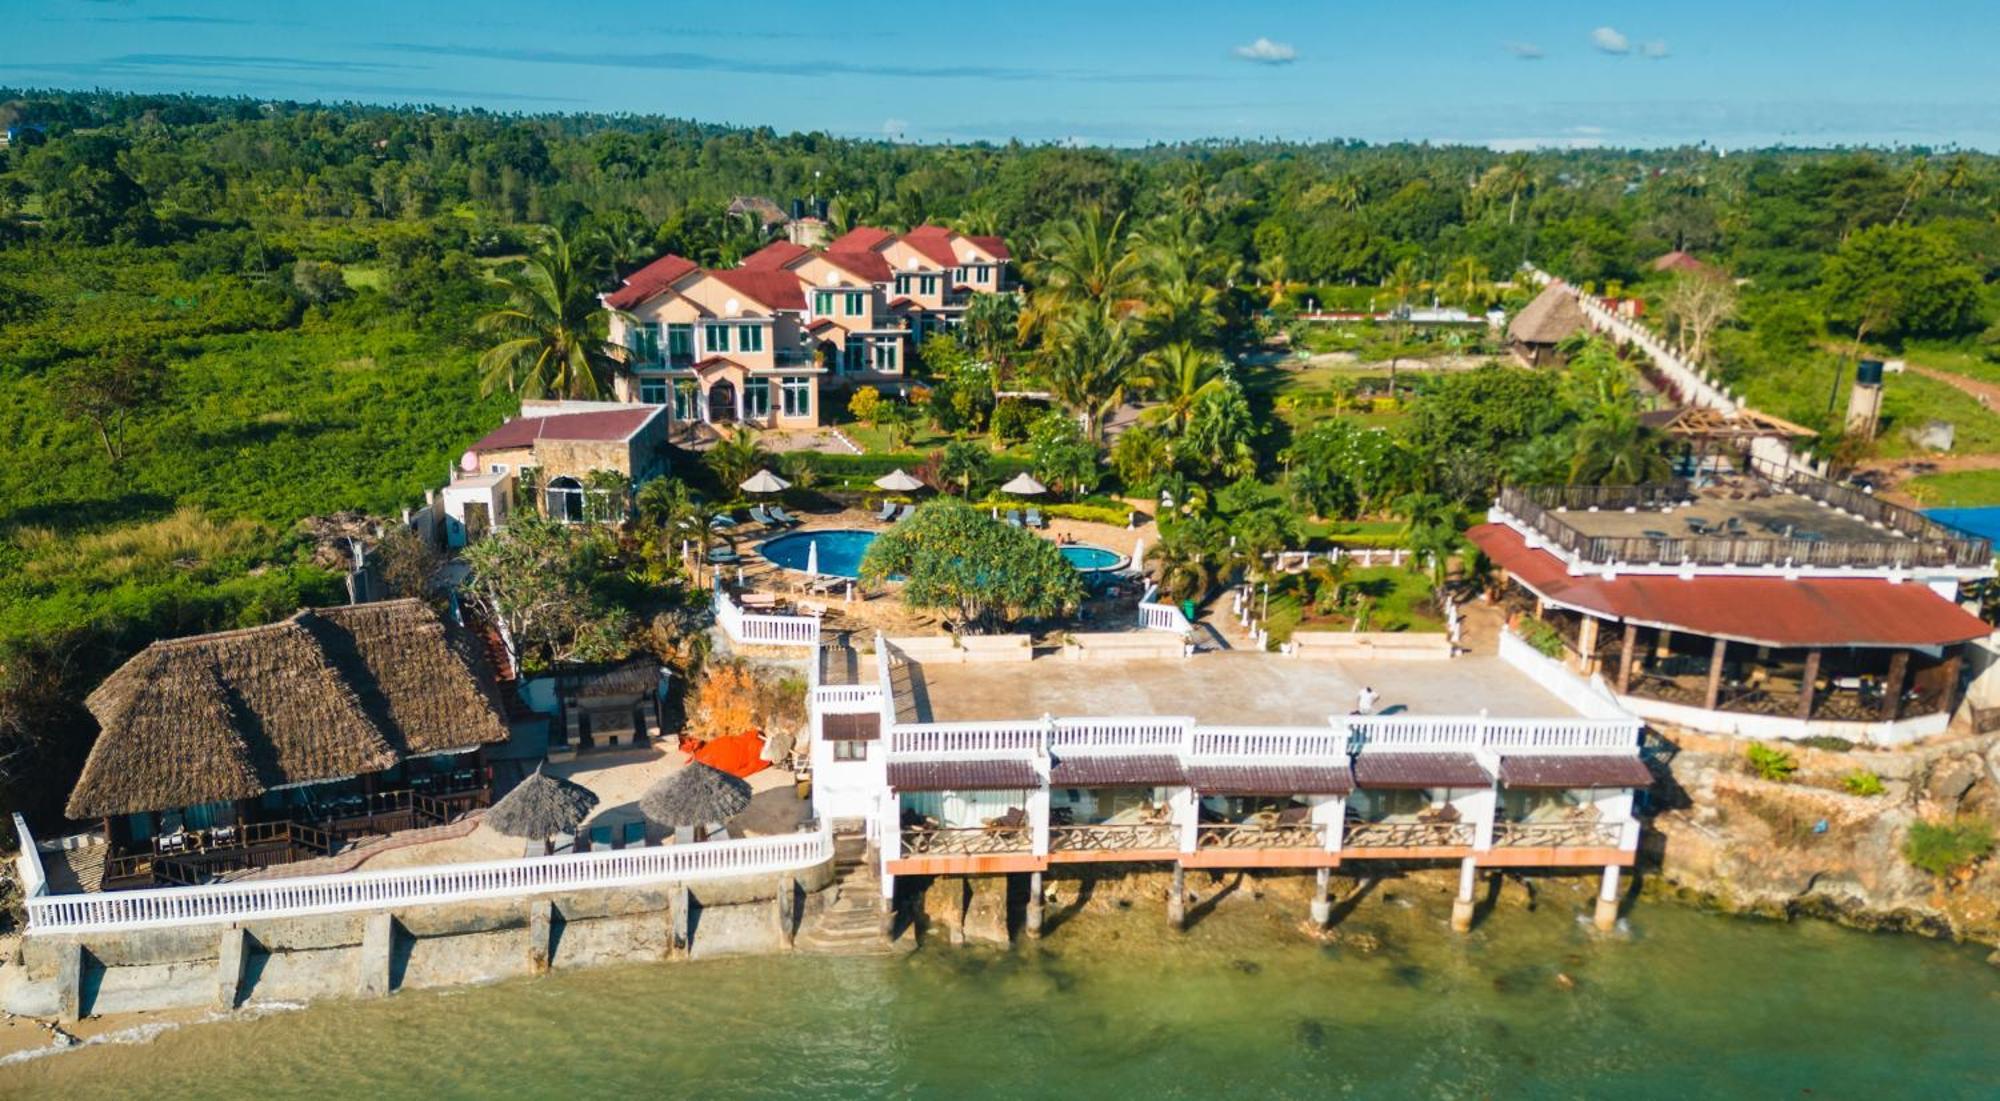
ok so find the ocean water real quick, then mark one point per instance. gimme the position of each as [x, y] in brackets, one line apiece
[1680, 1004]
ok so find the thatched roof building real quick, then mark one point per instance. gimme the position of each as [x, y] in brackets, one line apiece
[1550, 319]
[542, 806]
[326, 694]
[695, 796]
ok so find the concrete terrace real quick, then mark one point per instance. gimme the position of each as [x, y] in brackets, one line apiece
[1758, 517]
[1238, 688]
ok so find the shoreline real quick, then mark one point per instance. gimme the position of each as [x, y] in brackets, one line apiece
[1415, 905]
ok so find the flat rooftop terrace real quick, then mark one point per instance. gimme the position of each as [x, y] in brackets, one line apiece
[1768, 517]
[1238, 688]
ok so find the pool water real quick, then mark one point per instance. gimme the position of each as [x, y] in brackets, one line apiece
[841, 549]
[1088, 558]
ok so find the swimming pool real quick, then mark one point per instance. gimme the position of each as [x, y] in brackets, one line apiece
[840, 551]
[1090, 559]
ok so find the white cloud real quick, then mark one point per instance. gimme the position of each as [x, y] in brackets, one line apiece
[1655, 49]
[1610, 41]
[895, 127]
[1266, 52]
[1526, 51]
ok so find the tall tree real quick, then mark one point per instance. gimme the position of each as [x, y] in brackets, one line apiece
[552, 330]
[955, 558]
[107, 390]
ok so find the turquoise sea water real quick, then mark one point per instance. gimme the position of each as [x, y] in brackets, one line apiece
[1683, 1005]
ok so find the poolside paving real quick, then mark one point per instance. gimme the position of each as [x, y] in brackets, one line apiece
[1239, 688]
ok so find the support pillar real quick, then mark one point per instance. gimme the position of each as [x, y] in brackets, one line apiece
[1586, 645]
[786, 908]
[378, 951]
[1715, 674]
[229, 960]
[1322, 903]
[1461, 907]
[1625, 658]
[69, 983]
[541, 935]
[1034, 926]
[683, 935]
[1177, 898]
[1606, 917]
[1892, 686]
[1806, 684]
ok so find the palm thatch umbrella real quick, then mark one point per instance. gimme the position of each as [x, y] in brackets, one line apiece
[695, 796]
[898, 482]
[764, 482]
[542, 806]
[1024, 485]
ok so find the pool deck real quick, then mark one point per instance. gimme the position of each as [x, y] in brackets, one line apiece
[1236, 688]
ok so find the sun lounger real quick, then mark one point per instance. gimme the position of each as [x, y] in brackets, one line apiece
[758, 514]
[784, 517]
[1035, 518]
[600, 837]
[634, 835]
[1013, 518]
[723, 520]
[905, 513]
[888, 512]
[723, 555]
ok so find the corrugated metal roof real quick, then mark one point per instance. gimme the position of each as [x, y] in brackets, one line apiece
[1380, 769]
[863, 727]
[989, 775]
[607, 426]
[1105, 770]
[1578, 770]
[1270, 779]
[1764, 611]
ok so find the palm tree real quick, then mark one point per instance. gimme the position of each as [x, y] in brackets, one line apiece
[552, 330]
[1187, 558]
[1083, 260]
[1329, 578]
[1614, 448]
[1084, 362]
[991, 320]
[1276, 272]
[1512, 177]
[1179, 374]
[1403, 285]
[735, 457]
[1469, 284]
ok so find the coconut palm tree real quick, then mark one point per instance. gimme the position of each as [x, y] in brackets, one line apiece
[1404, 284]
[991, 322]
[1614, 448]
[1276, 272]
[1085, 361]
[735, 457]
[1081, 261]
[1187, 558]
[1329, 578]
[1513, 178]
[552, 330]
[1179, 374]
[1468, 284]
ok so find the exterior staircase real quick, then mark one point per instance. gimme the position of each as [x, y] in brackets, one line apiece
[850, 924]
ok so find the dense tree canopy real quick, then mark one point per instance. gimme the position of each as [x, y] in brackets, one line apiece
[984, 573]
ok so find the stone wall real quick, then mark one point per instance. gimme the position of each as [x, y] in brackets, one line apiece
[372, 953]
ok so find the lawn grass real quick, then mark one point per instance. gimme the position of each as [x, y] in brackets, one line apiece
[1956, 489]
[1396, 599]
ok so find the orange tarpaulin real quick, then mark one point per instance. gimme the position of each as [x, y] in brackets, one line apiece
[737, 754]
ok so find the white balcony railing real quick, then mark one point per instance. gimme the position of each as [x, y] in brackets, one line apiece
[1151, 733]
[1269, 742]
[327, 894]
[968, 739]
[764, 630]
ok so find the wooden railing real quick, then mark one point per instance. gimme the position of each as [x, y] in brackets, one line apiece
[450, 883]
[1556, 835]
[1101, 837]
[1247, 835]
[1406, 835]
[965, 840]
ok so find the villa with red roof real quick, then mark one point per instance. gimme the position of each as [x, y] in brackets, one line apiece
[755, 344]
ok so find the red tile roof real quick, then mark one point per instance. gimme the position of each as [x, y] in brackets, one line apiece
[601, 426]
[778, 289]
[650, 281]
[1763, 611]
[934, 242]
[872, 267]
[820, 325]
[1381, 769]
[905, 300]
[865, 727]
[1574, 770]
[774, 255]
[997, 246]
[997, 775]
[860, 239]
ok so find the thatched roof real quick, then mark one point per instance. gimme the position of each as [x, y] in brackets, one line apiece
[542, 806]
[695, 796]
[323, 695]
[1550, 319]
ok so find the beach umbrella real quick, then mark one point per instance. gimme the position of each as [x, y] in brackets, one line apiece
[764, 482]
[898, 482]
[1024, 485]
[1138, 555]
[812, 558]
[542, 806]
[695, 796]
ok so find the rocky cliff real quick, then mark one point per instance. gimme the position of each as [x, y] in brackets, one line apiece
[1805, 846]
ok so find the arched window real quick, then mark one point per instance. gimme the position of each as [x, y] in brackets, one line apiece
[566, 500]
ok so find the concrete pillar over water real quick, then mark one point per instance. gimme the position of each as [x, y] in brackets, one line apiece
[1606, 918]
[1034, 904]
[1322, 903]
[1177, 898]
[1461, 907]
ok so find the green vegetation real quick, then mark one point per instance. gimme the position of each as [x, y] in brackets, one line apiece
[1544, 638]
[1956, 489]
[1770, 763]
[983, 573]
[1945, 848]
[1373, 598]
[1862, 782]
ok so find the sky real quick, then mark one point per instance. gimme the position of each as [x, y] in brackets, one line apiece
[1731, 73]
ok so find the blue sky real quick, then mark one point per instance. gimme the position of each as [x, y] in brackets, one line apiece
[1734, 73]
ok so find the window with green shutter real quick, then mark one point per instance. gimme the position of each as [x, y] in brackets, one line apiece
[855, 306]
[822, 303]
[715, 338]
[680, 343]
[750, 338]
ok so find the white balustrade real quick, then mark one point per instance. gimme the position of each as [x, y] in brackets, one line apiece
[1562, 735]
[1268, 742]
[973, 739]
[277, 898]
[845, 696]
[764, 630]
[1441, 732]
[1154, 733]
[34, 880]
